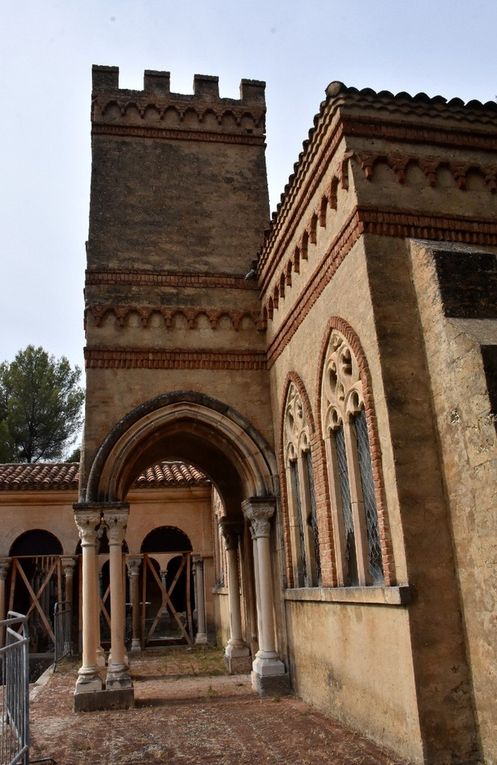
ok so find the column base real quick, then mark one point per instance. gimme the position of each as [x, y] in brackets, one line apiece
[121, 698]
[88, 680]
[269, 677]
[135, 645]
[268, 663]
[100, 657]
[237, 659]
[271, 685]
[118, 678]
[201, 638]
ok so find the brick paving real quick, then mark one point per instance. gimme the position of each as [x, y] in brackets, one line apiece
[189, 712]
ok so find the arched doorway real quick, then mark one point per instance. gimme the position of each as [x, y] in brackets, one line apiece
[210, 435]
[36, 584]
[168, 603]
[195, 429]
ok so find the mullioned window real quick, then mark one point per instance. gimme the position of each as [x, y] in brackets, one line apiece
[304, 537]
[350, 476]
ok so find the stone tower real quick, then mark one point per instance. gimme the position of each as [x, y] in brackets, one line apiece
[179, 203]
[175, 356]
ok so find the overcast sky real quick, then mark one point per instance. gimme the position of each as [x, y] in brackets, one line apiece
[48, 47]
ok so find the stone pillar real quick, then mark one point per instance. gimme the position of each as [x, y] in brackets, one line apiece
[268, 671]
[4, 570]
[117, 670]
[237, 653]
[133, 563]
[198, 574]
[100, 650]
[87, 521]
[68, 565]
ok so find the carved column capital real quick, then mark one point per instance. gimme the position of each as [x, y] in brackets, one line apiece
[133, 562]
[258, 511]
[4, 568]
[87, 522]
[231, 531]
[68, 565]
[116, 521]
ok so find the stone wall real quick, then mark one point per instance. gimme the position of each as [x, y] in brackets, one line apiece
[44, 510]
[376, 172]
[459, 329]
[354, 661]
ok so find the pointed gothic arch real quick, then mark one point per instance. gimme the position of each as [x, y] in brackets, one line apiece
[192, 427]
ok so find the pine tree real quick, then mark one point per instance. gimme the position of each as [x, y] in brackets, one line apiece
[40, 406]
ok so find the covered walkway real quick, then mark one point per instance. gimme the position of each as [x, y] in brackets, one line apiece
[189, 712]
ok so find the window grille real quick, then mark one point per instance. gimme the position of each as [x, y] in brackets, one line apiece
[364, 458]
[312, 518]
[350, 560]
[301, 563]
[357, 523]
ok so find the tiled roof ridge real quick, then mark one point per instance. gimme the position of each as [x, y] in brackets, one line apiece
[165, 473]
[338, 94]
[65, 475]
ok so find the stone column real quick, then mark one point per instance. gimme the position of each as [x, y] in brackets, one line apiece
[4, 570]
[117, 669]
[68, 565]
[198, 574]
[87, 521]
[100, 650]
[268, 671]
[133, 563]
[237, 653]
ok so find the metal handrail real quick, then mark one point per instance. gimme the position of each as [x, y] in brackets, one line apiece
[14, 665]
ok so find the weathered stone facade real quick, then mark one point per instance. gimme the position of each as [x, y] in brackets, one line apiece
[342, 400]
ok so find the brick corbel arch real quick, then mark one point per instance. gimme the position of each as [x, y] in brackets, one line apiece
[337, 323]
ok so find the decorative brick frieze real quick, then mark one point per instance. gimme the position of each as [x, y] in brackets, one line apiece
[168, 279]
[399, 163]
[342, 244]
[339, 177]
[134, 358]
[364, 220]
[357, 114]
[429, 166]
[122, 314]
[421, 133]
[158, 113]
[153, 111]
[447, 228]
[132, 131]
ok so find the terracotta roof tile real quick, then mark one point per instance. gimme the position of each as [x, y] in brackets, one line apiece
[167, 473]
[338, 94]
[52, 475]
[65, 475]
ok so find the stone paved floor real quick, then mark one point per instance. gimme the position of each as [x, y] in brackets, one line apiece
[189, 712]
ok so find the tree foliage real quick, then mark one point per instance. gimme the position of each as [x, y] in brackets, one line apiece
[40, 406]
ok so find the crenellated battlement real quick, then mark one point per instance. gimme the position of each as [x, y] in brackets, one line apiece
[156, 107]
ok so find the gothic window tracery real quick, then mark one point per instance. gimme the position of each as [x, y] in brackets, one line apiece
[300, 491]
[345, 431]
